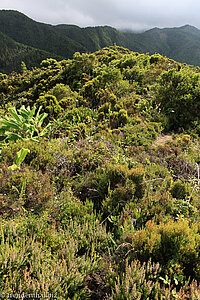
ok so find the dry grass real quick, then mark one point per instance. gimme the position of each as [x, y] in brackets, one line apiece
[162, 139]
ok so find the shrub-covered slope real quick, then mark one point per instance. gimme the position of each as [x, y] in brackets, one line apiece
[104, 202]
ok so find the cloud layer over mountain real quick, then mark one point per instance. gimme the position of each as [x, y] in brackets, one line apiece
[133, 14]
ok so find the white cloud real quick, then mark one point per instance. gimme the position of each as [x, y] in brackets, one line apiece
[135, 14]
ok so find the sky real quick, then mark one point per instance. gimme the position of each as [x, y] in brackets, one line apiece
[136, 15]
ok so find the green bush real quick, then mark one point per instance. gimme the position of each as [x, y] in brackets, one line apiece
[140, 134]
[177, 95]
[106, 179]
[24, 188]
[41, 155]
[71, 208]
[174, 242]
[50, 105]
[179, 190]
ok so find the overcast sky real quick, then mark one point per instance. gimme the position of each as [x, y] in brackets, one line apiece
[124, 14]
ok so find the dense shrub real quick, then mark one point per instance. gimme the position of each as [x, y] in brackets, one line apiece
[27, 263]
[41, 155]
[107, 206]
[24, 188]
[175, 245]
[113, 179]
[178, 96]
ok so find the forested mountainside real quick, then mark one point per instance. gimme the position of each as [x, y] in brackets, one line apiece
[99, 178]
[43, 36]
[12, 54]
[62, 41]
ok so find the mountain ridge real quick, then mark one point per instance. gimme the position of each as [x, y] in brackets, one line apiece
[63, 40]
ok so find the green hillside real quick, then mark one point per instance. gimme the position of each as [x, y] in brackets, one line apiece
[181, 44]
[93, 38]
[99, 178]
[38, 35]
[12, 54]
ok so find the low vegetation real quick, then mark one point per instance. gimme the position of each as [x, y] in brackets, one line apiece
[99, 178]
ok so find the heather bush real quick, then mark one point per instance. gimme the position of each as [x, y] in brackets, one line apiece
[109, 181]
[139, 134]
[138, 281]
[24, 188]
[108, 206]
[172, 243]
[71, 208]
[117, 199]
[179, 190]
[28, 266]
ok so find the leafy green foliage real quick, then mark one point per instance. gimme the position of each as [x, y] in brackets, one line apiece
[20, 156]
[178, 96]
[23, 124]
[110, 201]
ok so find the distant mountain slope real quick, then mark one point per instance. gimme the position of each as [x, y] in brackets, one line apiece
[93, 38]
[181, 44]
[184, 43]
[26, 31]
[176, 43]
[13, 53]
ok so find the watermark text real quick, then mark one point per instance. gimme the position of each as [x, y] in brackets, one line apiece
[29, 296]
